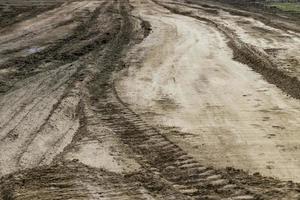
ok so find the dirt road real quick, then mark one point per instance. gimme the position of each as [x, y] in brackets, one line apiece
[215, 108]
[146, 100]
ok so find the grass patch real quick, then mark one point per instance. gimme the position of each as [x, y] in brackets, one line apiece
[287, 7]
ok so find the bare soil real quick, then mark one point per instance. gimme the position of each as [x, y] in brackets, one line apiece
[129, 99]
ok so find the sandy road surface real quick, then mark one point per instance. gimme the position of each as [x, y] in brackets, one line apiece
[127, 100]
[281, 44]
[217, 109]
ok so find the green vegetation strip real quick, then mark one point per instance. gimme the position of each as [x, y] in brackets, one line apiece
[288, 7]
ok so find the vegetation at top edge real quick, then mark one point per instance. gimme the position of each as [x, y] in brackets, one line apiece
[287, 6]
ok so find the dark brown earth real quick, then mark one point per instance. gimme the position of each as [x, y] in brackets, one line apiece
[82, 64]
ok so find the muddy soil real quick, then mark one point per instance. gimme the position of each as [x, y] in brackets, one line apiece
[129, 99]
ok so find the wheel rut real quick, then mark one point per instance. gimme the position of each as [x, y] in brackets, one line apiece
[155, 152]
[158, 154]
[167, 171]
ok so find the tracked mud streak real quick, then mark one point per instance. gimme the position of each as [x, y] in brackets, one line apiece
[39, 59]
[37, 26]
[42, 87]
[30, 111]
[54, 136]
[14, 13]
[76, 181]
[81, 129]
[83, 33]
[58, 52]
[52, 52]
[80, 36]
[30, 140]
[10, 133]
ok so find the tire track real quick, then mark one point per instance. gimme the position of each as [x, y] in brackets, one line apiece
[250, 55]
[79, 43]
[168, 172]
[12, 10]
[88, 37]
[154, 151]
[73, 180]
[36, 104]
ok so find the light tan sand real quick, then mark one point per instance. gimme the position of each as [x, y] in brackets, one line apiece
[220, 111]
